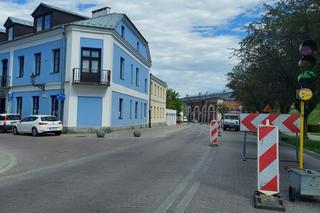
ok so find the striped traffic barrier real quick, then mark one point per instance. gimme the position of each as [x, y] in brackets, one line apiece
[214, 128]
[219, 128]
[267, 196]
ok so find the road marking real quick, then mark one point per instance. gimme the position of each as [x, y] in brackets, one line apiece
[13, 162]
[165, 205]
[187, 198]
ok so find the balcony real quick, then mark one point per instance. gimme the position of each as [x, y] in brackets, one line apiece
[91, 76]
[4, 82]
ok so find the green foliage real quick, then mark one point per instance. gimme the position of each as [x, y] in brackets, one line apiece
[174, 101]
[222, 108]
[268, 56]
[311, 145]
[314, 116]
[313, 127]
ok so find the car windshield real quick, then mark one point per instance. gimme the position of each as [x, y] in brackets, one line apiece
[14, 117]
[49, 118]
[231, 117]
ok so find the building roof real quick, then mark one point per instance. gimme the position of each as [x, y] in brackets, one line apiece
[227, 96]
[19, 21]
[108, 21]
[58, 9]
[163, 83]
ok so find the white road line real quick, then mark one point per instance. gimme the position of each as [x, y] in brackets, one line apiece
[165, 205]
[13, 162]
[187, 198]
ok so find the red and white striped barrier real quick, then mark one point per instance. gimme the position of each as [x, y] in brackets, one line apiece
[285, 122]
[214, 130]
[219, 128]
[268, 159]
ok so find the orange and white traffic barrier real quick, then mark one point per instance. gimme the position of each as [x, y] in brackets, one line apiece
[268, 159]
[214, 129]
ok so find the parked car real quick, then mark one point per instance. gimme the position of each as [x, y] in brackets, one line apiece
[231, 121]
[38, 124]
[7, 121]
[185, 119]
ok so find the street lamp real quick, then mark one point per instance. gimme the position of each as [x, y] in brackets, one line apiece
[33, 82]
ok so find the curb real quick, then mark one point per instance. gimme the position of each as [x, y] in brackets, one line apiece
[10, 158]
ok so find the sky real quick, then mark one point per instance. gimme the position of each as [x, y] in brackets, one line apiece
[191, 42]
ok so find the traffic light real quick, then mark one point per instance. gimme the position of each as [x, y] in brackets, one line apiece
[307, 63]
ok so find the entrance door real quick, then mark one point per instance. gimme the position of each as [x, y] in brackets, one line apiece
[90, 65]
[4, 75]
[2, 105]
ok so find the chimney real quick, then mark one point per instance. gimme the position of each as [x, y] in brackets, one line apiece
[101, 12]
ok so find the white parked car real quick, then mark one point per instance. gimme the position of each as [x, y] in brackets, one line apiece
[38, 124]
[7, 121]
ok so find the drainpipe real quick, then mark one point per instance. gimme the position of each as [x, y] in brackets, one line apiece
[63, 70]
[150, 101]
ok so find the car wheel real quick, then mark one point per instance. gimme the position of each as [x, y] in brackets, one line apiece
[34, 132]
[58, 133]
[15, 131]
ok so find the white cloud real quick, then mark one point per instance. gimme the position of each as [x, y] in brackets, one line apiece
[187, 61]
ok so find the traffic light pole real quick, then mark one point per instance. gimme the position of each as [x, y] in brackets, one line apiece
[301, 134]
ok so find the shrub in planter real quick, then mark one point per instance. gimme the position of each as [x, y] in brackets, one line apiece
[108, 130]
[100, 133]
[136, 133]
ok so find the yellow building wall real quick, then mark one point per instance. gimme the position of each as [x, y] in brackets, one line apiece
[158, 103]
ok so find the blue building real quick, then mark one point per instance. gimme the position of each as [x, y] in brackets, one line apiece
[91, 72]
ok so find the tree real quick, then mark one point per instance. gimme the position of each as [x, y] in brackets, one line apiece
[268, 56]
[174, 101]
[222, 108]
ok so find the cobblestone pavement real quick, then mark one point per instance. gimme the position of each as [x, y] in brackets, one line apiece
[177, 172]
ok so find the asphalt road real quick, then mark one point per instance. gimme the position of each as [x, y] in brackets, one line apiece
[176, 173]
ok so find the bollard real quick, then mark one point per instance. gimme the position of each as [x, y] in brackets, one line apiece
[267, 196]
[214, 133]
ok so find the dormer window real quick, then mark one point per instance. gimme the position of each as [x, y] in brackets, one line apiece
[123, 31]
[39, 24]
[138, 46]
[47, 22]
[10, 33]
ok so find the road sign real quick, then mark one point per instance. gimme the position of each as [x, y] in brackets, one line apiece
[305, 94]
[267, 108]
[285, 122]
[268, 159]
[214, 129]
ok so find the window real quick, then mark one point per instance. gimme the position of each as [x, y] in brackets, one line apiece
[37, 58]
[120, 108]
[122, 68]
[49, 118]
[151, 88]
[35, 105]
[131, 79]
[158, 91]
[39, 23]
[145, 110]
[19, 105]
[130, 109]
[136, 110]
[56, 60]
[123, 31]
[90, 60]
[138, 46]
[141, 110]
[10, 33]
[137, 77]
[54, 105]
[21, 66]
[4, 79]
[145, 85]
[47, 22]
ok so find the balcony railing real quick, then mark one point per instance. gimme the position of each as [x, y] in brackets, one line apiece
[91, 76]
[4, 81]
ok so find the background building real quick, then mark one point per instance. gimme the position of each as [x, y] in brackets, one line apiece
[158, 101]
[91, 72]
[203, 107]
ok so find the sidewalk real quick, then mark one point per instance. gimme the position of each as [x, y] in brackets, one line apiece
[154, 132]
